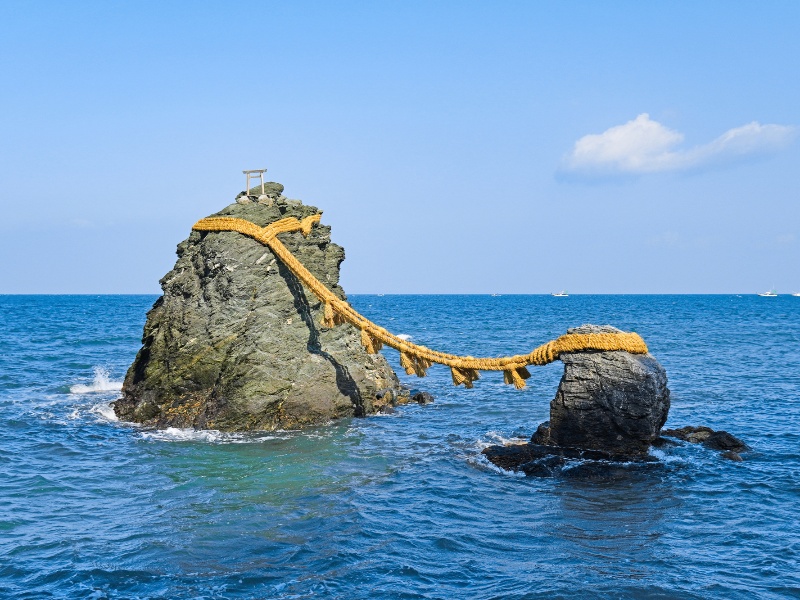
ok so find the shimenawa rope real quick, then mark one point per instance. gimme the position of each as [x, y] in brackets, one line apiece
[416, 359]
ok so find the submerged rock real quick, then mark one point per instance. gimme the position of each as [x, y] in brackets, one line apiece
[236, 342]
[609, 405]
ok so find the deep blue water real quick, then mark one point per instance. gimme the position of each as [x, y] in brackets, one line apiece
[402, 506]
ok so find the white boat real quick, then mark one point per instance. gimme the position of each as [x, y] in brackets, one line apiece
[769, 294]
[561, 294]
[495, 295]
[796, 294]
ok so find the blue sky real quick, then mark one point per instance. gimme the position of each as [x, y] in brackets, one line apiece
[465, 147]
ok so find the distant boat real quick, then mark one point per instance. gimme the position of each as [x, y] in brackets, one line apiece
[769, 294]
[495, 295]
[561, 294]
[796, 294]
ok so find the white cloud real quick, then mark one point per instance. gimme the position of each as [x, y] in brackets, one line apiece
[646, 146]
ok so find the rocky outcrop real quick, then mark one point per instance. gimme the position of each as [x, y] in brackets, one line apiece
[236, 342]
[608, 405]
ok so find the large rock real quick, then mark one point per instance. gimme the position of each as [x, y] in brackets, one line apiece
[611, 401]
[236, 342]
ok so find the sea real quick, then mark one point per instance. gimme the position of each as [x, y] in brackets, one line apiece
[403, 505]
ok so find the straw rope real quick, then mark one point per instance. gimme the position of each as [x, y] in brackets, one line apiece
[416, 359]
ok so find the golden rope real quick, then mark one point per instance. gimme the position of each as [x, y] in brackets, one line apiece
[416, 359]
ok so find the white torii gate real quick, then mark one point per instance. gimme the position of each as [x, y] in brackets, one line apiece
[252, 173]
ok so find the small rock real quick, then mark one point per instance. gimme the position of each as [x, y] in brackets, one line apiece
[543, 467]
[662, 442]
[422, 398]
[722, 440]
[714, 440]
[385, 399]
[243, 200]
[512, 456]
[542, 435]
[266, 200]
[272, 189]
[531, 456]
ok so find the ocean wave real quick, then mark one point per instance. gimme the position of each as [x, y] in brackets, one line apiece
[101, 383]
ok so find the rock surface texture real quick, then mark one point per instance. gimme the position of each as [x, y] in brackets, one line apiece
[236, 342]
[608, 405]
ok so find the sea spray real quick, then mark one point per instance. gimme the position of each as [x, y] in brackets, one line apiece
[102, 382]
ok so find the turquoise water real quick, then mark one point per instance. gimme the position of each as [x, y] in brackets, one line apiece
[402, 506]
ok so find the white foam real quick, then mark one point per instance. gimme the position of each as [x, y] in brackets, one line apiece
[481, 462]
[101, 383]
[675, 455]
[403, 336]
[211, 436]
[495, 438]
[105, 411]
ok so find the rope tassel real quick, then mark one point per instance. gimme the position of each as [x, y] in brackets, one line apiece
[331, 318]
[408, 363]
[516, 377]
[371, 344]
[414, 365]
[421, 366]
[465, 376]
[327, 315]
